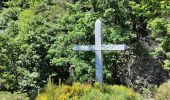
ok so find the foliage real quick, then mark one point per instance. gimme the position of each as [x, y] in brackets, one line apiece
[12, 96]
[24, 47]
[167, 64]
[163, 92]
[117, 92]
[87, 92]
[157, 26]
[37, 36]
[7, 16]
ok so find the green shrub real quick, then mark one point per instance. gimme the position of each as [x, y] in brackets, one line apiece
[115, 92]
[87, 92]
[163, 92]
[14, 96]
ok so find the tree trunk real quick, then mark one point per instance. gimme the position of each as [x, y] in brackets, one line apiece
[0, 4]
[94, 2]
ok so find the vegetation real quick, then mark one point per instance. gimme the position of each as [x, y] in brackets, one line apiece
[163, 92]
[87, 92]
[37, 36]
[14, 96]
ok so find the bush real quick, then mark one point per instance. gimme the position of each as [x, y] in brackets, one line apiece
[87, 92]
[108, 92]
[14, 96]
[163, 92]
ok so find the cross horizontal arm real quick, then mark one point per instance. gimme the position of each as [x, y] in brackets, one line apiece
[115, 47]
[84, 48]
[102, 47]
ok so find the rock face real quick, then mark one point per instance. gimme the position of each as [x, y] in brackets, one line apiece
[143, 73]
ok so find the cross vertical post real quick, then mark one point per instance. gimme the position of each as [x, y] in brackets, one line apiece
[98, 53]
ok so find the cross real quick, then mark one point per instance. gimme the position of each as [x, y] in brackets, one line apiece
[98, 48]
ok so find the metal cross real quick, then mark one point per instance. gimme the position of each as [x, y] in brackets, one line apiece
[98, 48]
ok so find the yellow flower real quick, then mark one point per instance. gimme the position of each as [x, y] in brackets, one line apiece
[42, 97]
[63, 97]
